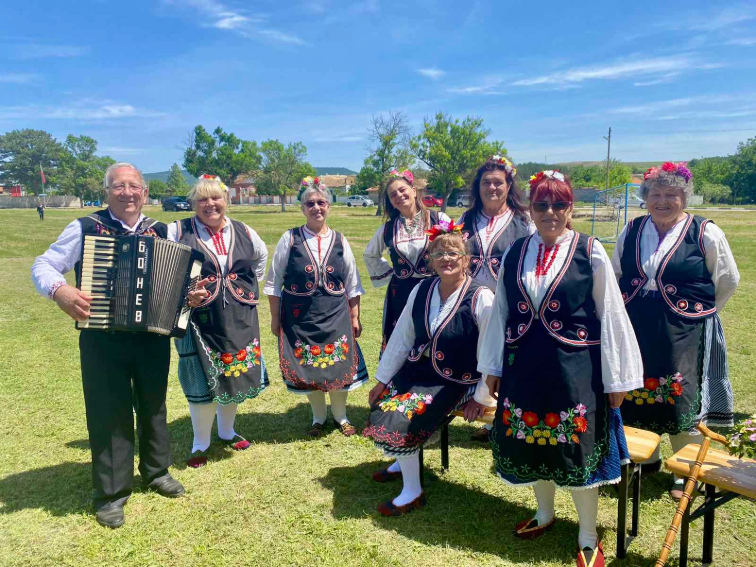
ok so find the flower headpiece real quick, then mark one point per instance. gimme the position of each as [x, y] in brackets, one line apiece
[406, 175]
[680, 169]
[446, 227]
[215, 178]
[502, 160]
[314, 182]
[545, 174]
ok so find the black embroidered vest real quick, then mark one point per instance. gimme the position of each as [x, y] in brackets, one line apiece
[240, 279]
[567, 311]
[683, 279]
[453, 347]
[403, 268]
[516, 228]
[303, 273]
[101, 223]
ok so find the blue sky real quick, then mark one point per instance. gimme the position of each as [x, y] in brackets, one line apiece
[674, 80]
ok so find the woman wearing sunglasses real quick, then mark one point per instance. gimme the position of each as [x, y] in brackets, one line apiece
[429, 366]
[561, 354]
[404, 236]
[314, 290]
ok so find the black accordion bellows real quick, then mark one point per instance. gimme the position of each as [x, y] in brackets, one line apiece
[138, 283]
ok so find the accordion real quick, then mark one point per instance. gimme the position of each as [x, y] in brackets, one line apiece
[138, 283]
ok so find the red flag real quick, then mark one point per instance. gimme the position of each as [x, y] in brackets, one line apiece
[42, 174]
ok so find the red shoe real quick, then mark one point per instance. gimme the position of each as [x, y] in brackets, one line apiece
[386, 475]
[238, 443]
[529, 529]
[197, 459]
[389, 509]
[588, 557]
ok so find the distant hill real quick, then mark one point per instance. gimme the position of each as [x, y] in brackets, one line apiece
[163, 176]
[334, 171]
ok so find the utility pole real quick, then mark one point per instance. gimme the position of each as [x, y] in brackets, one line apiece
[608, 154]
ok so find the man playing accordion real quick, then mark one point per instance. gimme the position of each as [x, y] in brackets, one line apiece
[119, 370]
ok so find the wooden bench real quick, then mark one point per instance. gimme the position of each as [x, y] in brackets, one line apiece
[732, 476]
[641, 445]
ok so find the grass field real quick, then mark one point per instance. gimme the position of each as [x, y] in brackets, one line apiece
[289, 500]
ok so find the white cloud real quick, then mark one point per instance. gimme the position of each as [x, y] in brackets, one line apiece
[432, 73]
[40, 51]
[675, 103]
[18, 78]
[485, 85]
[120, 150]
[81, 110]
[744, 41]
[281, 37]
[725, 19]
[230, 21]
[314, 7]
[649, 67]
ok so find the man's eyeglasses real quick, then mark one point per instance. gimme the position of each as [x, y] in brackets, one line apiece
[558, 207]
[121, 187]
[452, 255]
[321, 204]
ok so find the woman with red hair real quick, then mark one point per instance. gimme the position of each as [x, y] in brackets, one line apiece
[561, 355]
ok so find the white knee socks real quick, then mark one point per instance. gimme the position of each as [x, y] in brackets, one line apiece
[586, 504]
[338, 406]
[202, 423]
[394, 467]
[318, 405]
[226, 417]
[411, 488]
[544, 493]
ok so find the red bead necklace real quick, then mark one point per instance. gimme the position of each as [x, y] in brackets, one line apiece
[543, 264]
[218, 242]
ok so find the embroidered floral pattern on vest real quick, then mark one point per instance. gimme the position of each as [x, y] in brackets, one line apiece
[657, 390]
[407, 404]
[314, 355]
[234, 364]
[554, 428]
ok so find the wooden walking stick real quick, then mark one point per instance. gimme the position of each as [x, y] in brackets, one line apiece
[690, 485]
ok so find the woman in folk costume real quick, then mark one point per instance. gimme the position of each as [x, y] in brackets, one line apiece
[404, 236]
[561, 354]
[676, 273]
[220, 364]
[314, 291]
[497, 217]
[429, 366]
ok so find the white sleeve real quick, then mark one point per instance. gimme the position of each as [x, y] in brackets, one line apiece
[617, 254]
[621, 363]
[400, 344]
[48, 269]
[260, 257]
[352, 282]
[172, 232]
[378, 267]
[491, 351]
[277, 269]
[484, 308]
[721, 264]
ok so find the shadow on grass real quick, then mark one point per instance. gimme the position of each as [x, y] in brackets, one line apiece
[62, 489]
[457, 516]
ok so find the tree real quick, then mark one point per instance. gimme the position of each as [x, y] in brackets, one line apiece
[452, 150]
[21, 154]
[283, 168]
[80, 170]
[220, 153]
[176, 183]
[742, 172]
[389, 149]
[366, 178]
[712, 192]
[159, 189]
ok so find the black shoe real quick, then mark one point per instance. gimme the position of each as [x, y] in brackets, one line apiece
[167, 486]
[111, 516]
[651, 468]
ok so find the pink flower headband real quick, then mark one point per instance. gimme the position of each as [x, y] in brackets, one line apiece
[446, 227]
[546, 174]
[502, 160]
[309, 181]
[680, 169]
[406, 175]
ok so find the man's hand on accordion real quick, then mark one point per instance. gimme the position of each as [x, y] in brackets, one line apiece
[73, 302]
[198, 294]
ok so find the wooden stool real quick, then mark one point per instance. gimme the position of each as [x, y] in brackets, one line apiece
[641, 445]
[734, 477]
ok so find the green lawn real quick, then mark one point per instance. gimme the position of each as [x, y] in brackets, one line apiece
[289, 500]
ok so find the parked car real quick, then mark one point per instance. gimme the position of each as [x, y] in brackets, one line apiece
[431, 201]
[462, 200]
[359, 201]
[176, 204]
[632, 201]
